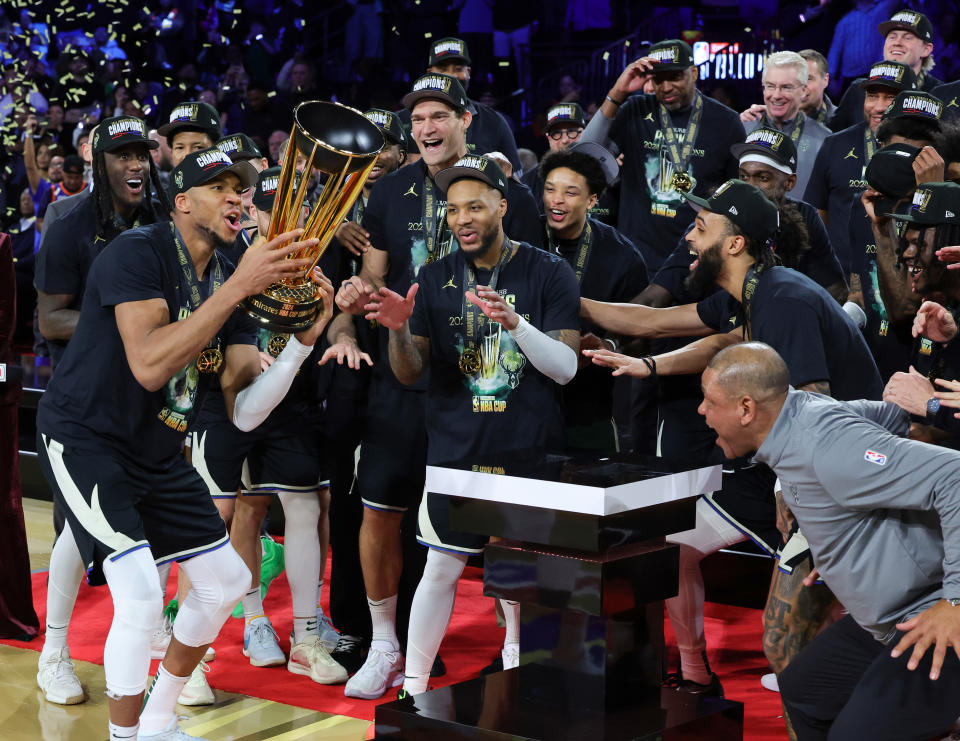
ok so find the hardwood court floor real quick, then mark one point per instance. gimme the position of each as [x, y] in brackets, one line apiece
[25, 714]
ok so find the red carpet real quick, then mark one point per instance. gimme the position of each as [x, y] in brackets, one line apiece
[472, 642]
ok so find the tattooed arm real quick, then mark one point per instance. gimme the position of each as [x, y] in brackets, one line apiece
[409, 355]
[817, 387]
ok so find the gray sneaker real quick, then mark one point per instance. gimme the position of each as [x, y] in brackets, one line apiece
[57, 678]
[329, 635]
[380, 672]
[260, 643]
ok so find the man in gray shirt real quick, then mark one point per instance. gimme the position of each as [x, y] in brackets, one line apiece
[882, 517]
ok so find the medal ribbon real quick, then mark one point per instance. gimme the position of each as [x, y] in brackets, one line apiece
[750, 283]
[680, 153]
[470, 318]
[193, 282]
[434, 223]
[583, 250]
[797, 130]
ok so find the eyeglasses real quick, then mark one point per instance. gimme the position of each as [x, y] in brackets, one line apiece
[572, 134]
[771, 88]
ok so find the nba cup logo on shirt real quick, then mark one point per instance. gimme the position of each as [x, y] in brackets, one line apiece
[125, 126]
[922, 106]
[447, 48]
[378, 117]
[185, 112]
[206, 160]
[921, 199]
[668, 55]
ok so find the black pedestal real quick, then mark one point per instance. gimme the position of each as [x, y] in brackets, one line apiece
[493, 708]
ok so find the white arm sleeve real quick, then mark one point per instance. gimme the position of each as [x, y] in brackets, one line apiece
[549, 356]
[256, 401]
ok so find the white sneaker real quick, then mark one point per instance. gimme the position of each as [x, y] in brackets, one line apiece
[381, 671]
[260, 643]
[57, 678]
[311, 659]
[196, 691]
[769, 682]
[160, 642]
[329, 636]
[510, 654]
[173, 732]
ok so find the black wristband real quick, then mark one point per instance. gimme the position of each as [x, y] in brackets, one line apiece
[615, 102]
[651, 363]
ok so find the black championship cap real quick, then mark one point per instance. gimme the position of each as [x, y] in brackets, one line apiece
[199, 167]
[448, 50]
[611, 169]
[113, 133]
[894, 75]
[239, 147]
[265, 190]
[194, 116]
[770, 147]
[915, 104]
[745, 205]
[435, 86]
[891, 173]
[933, 204]
[671, 55]
[390, 124]
[474, 167]
[909, 20]
[565, 114]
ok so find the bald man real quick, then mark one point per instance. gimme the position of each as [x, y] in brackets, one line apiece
[882, 516]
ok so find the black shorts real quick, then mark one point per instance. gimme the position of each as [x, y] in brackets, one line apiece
[433, 527]
[262, 461]
[115, 506]
[393, 455]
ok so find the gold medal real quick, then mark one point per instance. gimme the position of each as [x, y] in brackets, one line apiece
[470, 362]
[681, 181]
[276, 344]
[210, 360]
[430, 258]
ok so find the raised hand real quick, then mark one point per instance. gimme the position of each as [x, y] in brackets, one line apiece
[622, 365]
[633, 77]
[390, 308]
[493, 306]
[934, 322]
[325, 289]
[753, 113]
[353, 295]
[346, 349]
[354, 237]
[268, 262]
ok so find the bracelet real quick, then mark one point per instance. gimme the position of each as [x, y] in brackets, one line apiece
[613, 343]
[651, 363]
[615, 102]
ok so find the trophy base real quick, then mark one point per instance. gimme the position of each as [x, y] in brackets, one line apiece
[285, 308]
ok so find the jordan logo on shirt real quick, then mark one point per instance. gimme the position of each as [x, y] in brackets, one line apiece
[953, 104]
[851, 154]
[649, 117]
[449, 284]
[411, 191]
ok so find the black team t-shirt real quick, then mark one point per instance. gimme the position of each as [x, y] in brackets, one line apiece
[94, 402]
[508, 404]
[837, 179]
[395, 219]
[651, 214]
[802, 322]
[615, 272]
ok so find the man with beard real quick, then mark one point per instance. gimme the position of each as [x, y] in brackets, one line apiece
[785, 77]
[882, 517]
[160, 319]
[674, 141]
[608, 268]
[489, 131]
[241, 147]
[838, 172]
[405, 218]
[494, 324]
[907, 39]
[760, 300]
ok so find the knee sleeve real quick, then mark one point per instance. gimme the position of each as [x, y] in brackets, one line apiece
[443, 569]
[137, 606]
[301, 512]
[219, 578]
[63, 579]
[431, 609]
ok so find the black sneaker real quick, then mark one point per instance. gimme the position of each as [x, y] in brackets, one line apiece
[439, 668]
[349, 653]
[493, 667]
[712, 689]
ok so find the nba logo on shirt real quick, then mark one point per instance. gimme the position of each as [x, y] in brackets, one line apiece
[874, 457]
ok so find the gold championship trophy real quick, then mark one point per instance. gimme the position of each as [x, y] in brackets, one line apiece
[340, 142]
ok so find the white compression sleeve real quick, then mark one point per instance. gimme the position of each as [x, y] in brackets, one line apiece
[549, 356]
[256, 401]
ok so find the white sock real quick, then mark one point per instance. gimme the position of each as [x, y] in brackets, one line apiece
[161, 699]
[430, 616]
[252, 605]
[123, 732]
[383, 617]
[63, 582]
[511, 616]
[301, 513]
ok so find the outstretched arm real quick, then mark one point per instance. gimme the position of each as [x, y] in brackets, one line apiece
[692, 358]
[633, 320]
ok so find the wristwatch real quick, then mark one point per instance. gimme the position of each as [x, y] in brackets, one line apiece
[953, 602]
[933, 406]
